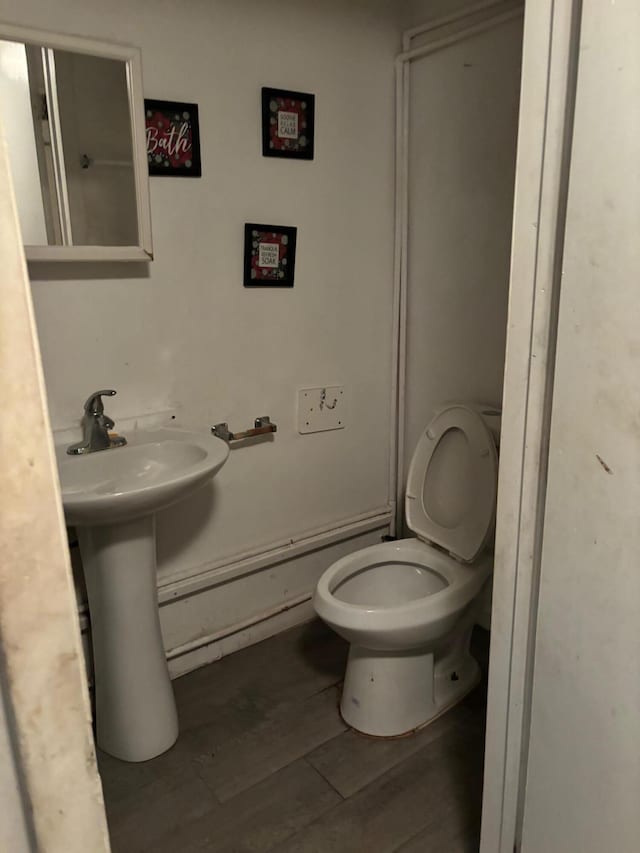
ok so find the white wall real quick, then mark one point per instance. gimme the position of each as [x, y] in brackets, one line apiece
[183, 336]
[416, 12]
[583, 781]
[462, 143]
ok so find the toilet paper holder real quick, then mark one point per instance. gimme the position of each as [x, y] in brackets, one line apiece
[261, 426]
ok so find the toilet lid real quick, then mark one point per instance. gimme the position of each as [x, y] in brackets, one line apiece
[451, 488]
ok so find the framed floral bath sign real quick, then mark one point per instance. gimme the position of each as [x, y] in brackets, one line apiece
[269, 255]
[287, 124]
[173, 138]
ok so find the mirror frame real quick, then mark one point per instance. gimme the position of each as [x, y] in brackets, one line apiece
[132, 58]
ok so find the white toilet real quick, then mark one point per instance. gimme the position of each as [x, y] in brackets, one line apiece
[407, 607]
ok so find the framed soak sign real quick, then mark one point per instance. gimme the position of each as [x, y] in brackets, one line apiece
[173, 138]
[287, 124]
[269, 255]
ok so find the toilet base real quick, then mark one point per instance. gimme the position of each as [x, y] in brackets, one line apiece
[388, 694]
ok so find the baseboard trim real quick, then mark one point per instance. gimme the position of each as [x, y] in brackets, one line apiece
[230, 630]
[222, 571]
[213, 647]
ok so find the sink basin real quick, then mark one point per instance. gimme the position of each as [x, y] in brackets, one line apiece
[155, 469]
[111, 496]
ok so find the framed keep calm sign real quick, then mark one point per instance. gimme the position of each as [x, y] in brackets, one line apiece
[287, 124]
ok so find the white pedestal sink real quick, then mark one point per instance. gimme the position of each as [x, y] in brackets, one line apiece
[111, 497]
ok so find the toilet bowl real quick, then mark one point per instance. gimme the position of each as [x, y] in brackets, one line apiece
[407, 607]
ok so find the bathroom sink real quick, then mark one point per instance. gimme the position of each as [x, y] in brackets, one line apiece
[112, 497]
[155, 469]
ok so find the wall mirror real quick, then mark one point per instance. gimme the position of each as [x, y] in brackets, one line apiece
[72, 111]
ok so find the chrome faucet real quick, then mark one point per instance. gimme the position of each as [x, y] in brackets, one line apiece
[95, 427]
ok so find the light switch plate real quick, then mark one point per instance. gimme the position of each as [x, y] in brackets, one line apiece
[321, 408]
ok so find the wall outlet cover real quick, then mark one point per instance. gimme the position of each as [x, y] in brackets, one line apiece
[321, 408]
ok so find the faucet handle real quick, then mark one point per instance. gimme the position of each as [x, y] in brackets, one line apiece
[94, 405]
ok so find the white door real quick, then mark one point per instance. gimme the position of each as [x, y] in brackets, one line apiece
[50, 793]
[582, 790]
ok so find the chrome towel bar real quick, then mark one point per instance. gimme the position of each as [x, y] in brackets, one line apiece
[262, 426]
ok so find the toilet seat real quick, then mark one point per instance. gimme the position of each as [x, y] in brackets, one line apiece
[399, 624]
[464, 495]
[450, 499]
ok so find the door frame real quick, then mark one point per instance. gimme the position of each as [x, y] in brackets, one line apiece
[48, 765]
[548, 77]
[549, 73]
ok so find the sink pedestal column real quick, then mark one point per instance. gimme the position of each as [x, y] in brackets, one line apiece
[135, 707]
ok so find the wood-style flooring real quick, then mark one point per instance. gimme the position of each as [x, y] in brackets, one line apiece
[264, 763]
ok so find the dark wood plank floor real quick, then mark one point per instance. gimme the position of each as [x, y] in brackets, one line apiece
[265, 763]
